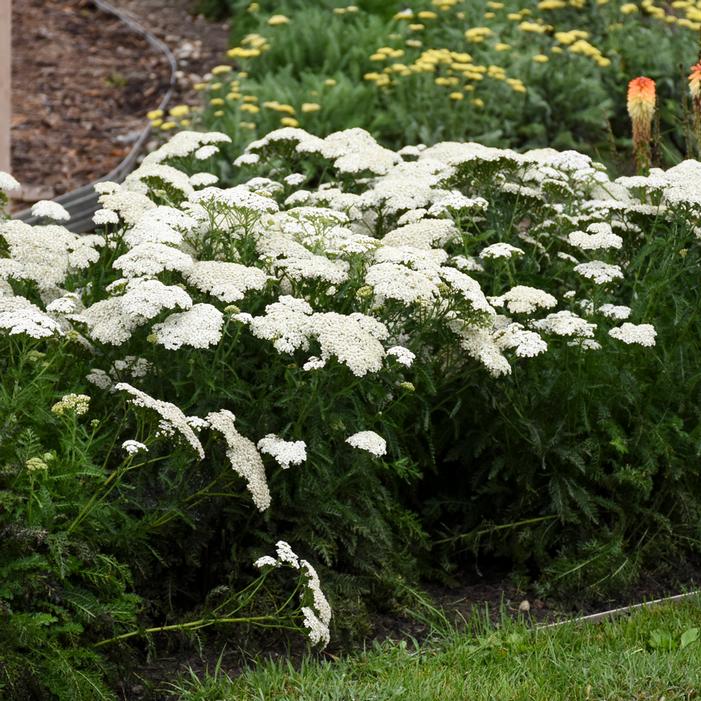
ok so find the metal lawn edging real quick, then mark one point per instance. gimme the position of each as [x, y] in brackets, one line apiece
[621, 611]
[82, 203]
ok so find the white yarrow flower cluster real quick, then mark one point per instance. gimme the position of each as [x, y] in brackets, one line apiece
[228, 282]
[132, 447]
[368, 441]
[565, 323]
[114, 320]
[46, 254]
[501, 250]
[598, 236]
[244, 457]
[598, 271]
[198, 327]
[19, 316]
[402, 355]
[615, 311]
[151, 259]
[8, 183]
[284, 452]
[317, 617]
[77, 404]
[524, 343]
[640, 334]
[522, 299]
[172, 418]
[47, 209]
[103, 217]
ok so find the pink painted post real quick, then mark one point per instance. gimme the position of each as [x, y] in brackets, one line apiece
[5, 82]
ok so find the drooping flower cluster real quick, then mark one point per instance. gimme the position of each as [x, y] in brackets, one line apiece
[243, 456]
[172, 419]
[317, 616]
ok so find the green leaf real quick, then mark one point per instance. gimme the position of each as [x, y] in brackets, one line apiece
[689, 636]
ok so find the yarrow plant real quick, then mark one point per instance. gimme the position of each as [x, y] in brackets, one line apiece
[222, 367]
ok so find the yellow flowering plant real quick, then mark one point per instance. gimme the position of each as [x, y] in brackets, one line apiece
[554, 74]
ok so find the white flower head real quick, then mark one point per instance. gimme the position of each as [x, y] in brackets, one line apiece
[599, 272]
[501, 250]
[615, 311]
[47, 209]
[132, 447]
[526, 344]
[205, 152]
[286, 555]
[198, 327]
[522, 299]
[318, 631]
[597, 236]
[105, 216]
[99, 378]
[294, 179]
[641, 334]
[8, 183]
[203, 179]
[565, 323]
[151, 259]
[266, 561]
[68, 304]
[19, 316]
[77, 404]
[228, 282]
[285, 453]
[480, 344]
[402, 355]
[314, 363]
[247, 159]
[369, 441]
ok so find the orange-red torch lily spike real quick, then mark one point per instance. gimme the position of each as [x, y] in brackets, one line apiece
[641, 108]
[695, 82]
[641, 99]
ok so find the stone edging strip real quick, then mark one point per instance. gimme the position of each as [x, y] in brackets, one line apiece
[82, 202]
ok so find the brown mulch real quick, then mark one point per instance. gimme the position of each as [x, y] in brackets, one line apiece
[81, 85]
[197, 43]
[83, 82]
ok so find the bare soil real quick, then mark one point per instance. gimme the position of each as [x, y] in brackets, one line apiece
[83, 82]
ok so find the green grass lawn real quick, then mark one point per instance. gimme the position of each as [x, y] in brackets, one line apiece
[653, 654]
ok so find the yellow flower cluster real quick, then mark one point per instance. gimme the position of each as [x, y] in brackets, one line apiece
[666, 12]
[535, 27]
[279, 107]
[584, 48]
[251, 46]
[477, 35]
[346, 10]
[178, 116]
[455, 69]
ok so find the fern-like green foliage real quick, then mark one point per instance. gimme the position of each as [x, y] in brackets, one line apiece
[60, 589]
